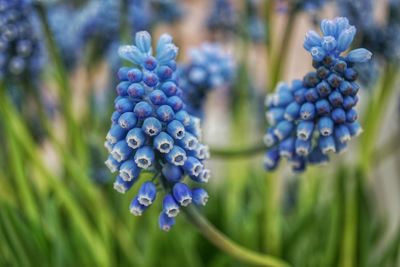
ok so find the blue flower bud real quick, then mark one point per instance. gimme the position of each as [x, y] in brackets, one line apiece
[147, 193]
[340, 66]
[335, 98]
[354, 128]
[127, 120]
[340, 147]
[122, 88]
[203, 177]
[303, 147]
[342, 23]
[176, 156]
[350, 74]
[323, 89]
[346, 88]
[121, 186]
[169, 88]
[271, 159]
[164, 73]
[307, 111]
[143, 110]
[135, 75]
[311, 40]
[170, 207]
[123, 73]
[150, 63]
[345, 38]
[283, 129]
[144, 157]
[317, 157]
[338, 115]
[112, 164]
[176, 129]
[135, 138]
[182, 194]
[143, 42]
[167, 54]
[136, 208]
[298, 164]
[165, 113]
[163, 142]
[359, 55]
[129, 170]
[150, 79]
[328, 43]
[151, 126]
[334, 80]
[165, 223]
[349, 102]
[183, 117]
[131, 53]
[157, 97]
[327, 144]
[192, 166]
[200, 196]
[136, 90]
[124, 105]
[342, 133]
[172, 173]
[282, 99]
[115, 117]
[317, 53]
[325, 126]
[299, 95]
[188, 142]
[275, 115]
[115, 133]
[269, 138]
[292, 111]
[163, 41]
[323, 107]
[121, 151]
[311, 95]
[351, 115]
[305, 130]
[328, 27]
[286, 147]
[175, 102]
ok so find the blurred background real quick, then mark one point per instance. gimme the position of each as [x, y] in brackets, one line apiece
[58, 65]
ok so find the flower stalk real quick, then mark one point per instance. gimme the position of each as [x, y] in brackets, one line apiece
[228, 246]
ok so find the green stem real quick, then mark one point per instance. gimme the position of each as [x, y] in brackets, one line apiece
[279, 58]
[73, 133]
[224, 243]
[272, 214]
[253, 150]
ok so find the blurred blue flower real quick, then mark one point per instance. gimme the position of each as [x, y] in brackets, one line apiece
[223, 17]
[167, 11]
[299, 5]
[140, 15]
[151, 130]
[316, 116]
[255, 24]
[208, 67]
[20, 53]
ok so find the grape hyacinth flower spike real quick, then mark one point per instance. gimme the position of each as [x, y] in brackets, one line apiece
[151, 131]
[315, 116]
[208, 67]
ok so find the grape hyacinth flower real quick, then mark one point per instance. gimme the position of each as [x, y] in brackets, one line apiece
[208, 67]
[152, 131]
[223, 17]
[19, 46]
[316, 116]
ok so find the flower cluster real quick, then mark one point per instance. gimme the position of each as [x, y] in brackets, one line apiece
[316, 116]
[255, 23]
[19, 46]
[152, 131]
[208, 67]
[223, 17]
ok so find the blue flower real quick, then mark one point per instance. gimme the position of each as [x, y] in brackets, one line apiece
[208, 67]
[222, 17]
[151, 131]
[20, 53]
[314, 117]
